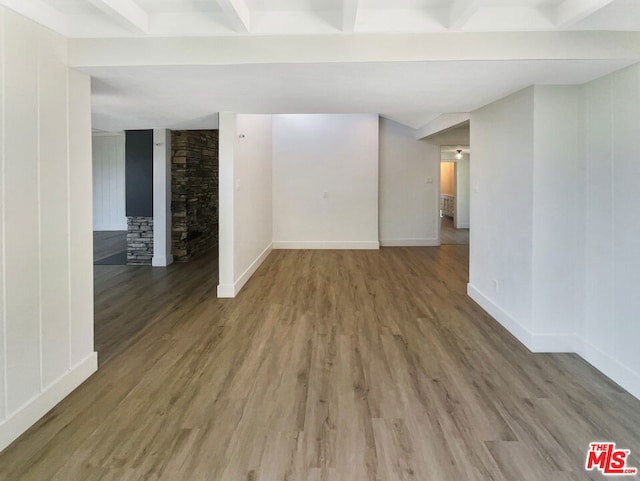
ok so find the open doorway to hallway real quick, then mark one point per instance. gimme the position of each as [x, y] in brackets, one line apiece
[454, 194]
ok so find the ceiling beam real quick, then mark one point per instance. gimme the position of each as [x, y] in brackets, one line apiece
[349, 15]
[40, 12]
[125, 12]
[461, 12]
[570, 12]
[238, 14]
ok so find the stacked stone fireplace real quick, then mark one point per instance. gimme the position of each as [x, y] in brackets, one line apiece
[194, 185]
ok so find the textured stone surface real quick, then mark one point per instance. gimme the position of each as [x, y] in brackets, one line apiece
[139, 240]
[194, 185]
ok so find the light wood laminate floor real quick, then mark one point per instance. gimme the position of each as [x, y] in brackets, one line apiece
[329, 365]
[450, 235]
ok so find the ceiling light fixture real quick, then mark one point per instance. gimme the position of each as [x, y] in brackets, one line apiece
[458, 154]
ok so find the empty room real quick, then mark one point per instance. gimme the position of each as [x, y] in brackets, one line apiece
[319, 240]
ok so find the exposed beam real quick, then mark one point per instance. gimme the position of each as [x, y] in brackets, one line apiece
[40, 12]
[623, 47]
[125, 12]
[238, 14]
[349, 15]
[461, 12]
[442, 123]
[570, 12]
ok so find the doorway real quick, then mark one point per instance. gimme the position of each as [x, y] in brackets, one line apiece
[454, 194]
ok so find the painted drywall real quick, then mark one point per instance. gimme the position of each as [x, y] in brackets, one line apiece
[558, 217]
[109, 212]
[245, 189]
[409, 205]
[325, 181]
[501, 251]
[139, 172]
[463, 192]
[611, 330]
[253, 193]
[161, 198]
[46, 222]
[582, 189]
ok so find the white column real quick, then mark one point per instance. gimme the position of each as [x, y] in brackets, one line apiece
[226, 189]
[162, 256]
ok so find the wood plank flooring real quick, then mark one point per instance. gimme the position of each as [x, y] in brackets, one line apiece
[329, 365]
[450, 235]
[108, 243]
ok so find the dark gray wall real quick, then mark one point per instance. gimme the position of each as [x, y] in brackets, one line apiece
[139, 172]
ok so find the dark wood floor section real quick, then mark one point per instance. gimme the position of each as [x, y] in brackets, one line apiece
[108, 243]
[329, 365]
[130, 299]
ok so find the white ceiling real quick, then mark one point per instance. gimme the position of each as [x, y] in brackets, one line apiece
[412, 93]
[178, 89]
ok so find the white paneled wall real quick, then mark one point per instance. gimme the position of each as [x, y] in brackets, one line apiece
[109, 208]
[46, 300]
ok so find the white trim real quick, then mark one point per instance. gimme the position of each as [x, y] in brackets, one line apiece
[30, 412]
[509, 323]
[610, 367]
[226, 291]
[231, 290]
[623, 375]
[357, 245]
[161, 261]
[431, 242]
[246, 275]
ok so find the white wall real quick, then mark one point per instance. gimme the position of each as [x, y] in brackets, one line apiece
[162, 256]
[579, 197]
[109, 208]
[245, 150]
[325, 181]
[610, 331]
[463, 192]
[46, 323]
[558, 217]
[409, 172]
[501, 251]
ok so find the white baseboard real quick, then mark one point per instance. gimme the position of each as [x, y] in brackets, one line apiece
[231, 290]
[226, 291]
[431, 242]
[610, 367]
[534, 342]
[341, 245]
[161, 261]
[29, 413]
[509, 323]
[539, 343]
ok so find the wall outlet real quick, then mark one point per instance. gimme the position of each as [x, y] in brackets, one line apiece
[429, 180]
[325, 194]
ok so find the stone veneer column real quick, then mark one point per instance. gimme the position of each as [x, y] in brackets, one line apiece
[139, 240]
[194, 186]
